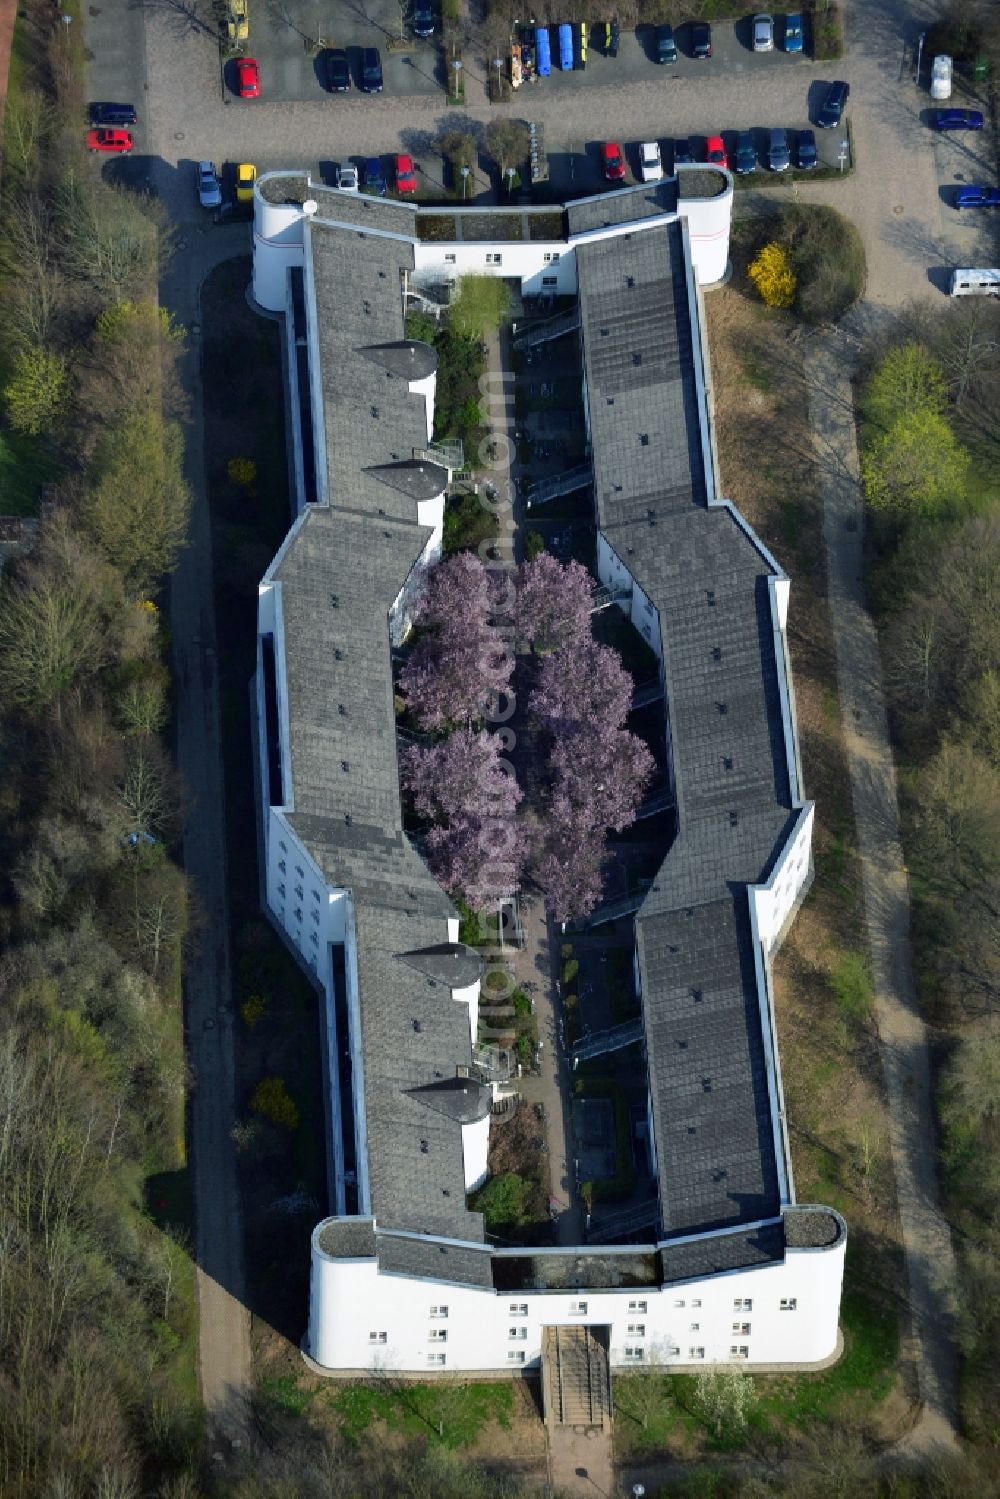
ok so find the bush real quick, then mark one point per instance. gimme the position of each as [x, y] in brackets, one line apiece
[35, 395]
[534, 545]
[242, 471]
[272, 1100]
[828, 37]
[828, 259]
[503, 1201]
[570, 971]
[521, 1002]
[772, 275]
[253, 1009]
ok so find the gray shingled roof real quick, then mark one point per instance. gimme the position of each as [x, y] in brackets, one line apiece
[450, 963]
[412, 476]
[711, 1109]
[408, 358]
[463, 1099]
[622, 206]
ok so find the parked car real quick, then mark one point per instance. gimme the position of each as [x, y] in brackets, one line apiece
[664, 46]
[958, 119]
[779, 158]
[611, 38]
[701, 40]
[347, 179]
[565, 35]
[832, 107]
[543, 52]
[613, 161]
[580, 32]
[423, 18]
[237, 21]
[745, 157]
[763, 33]
[374, 177]
[650, 162]
[209, 187]
[113, 114]
[371, 70]
[807, 150]
[793, 33]
[406, 177]
[974, 195]
[248, 78]
[683, 155]
[338, 71]
[246, 176]
[118, 142]
[941, 71]
[715, 151]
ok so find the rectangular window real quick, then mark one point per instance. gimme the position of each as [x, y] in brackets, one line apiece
[378, 1337]
[300, 872]
[282, 865]
[637, 1306]
[743, 1304]
[550, 280]
[637, 1329]
[437, 1335]
[298, 913]
[314, 939]
[696, 1301]
[438, 1311]
[633, 1355]
[283, 846]
[739, 1351]
[515, 1356]
[517, 1334]
[519, 1308]
[551, 258]
[299, 892]
[678, 1303]
[449, 260]
[695, 1327]
[578, 1308]
[788, 1303]
[281, 891]
[437, 1360]
[494, 259]
[315, 895]
[696, 1353]
[741, 1329]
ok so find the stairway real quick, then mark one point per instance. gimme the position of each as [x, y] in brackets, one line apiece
[576, 1384]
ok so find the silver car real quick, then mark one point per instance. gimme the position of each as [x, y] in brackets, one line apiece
[209, 189]
[763, 33]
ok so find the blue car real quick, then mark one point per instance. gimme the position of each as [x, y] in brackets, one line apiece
[566, 47]
[745, 157]
[958, 119]
[807, 150]
[793, 33]
[543, 54]
[832, 107]
[973, 195]
[374, 177]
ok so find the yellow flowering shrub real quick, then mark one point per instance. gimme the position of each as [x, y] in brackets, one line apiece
[772, 275]
[272, 1100]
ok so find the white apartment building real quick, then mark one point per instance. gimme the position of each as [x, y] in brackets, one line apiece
[728, 1265]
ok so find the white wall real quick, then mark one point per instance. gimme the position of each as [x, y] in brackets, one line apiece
[475, 1151]
[708, 221]
[426, 388]
[277, 245]
[349, 1299]
[443, 262]
[469, 996]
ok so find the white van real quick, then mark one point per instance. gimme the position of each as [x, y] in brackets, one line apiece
[983, 283]
[941, 77]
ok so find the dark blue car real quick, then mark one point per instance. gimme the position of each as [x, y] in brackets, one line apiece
[744, 157]
[374, 177]
[807, 150]
[832, 107]
[973, 195]
[958, 119]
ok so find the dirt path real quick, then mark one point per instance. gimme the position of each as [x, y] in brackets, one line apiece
[224, 1335]
[930, 1264]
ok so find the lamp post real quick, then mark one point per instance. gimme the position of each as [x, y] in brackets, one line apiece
[465, 179]
[67, 23]
[510, 182]
[457, 65]
[920, 53]
[499, 64]
[842, 154]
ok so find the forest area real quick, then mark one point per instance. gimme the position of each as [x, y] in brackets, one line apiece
[929, 406]
[98, 1390]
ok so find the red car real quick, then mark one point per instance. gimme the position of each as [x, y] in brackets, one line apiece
[406, 177]
[715, 151]
[248, 78]
[613, 162]
[118, 141]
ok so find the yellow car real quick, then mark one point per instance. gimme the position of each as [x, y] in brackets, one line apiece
[246, 176]
[237, 21]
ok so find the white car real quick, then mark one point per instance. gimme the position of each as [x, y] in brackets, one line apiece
[209, 190]
[763, 33]
[941, 77]
[650, 162]
[347, 179]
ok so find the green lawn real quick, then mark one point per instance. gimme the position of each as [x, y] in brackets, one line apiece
[452, 1414]
[848, 1391]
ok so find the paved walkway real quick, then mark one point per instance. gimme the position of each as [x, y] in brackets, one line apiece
[224, 1332]
[930, 1263]
[8, 13]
